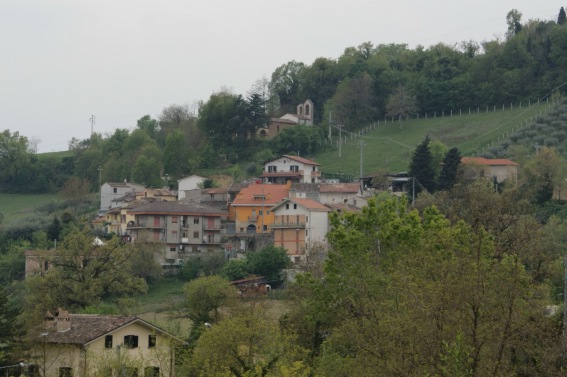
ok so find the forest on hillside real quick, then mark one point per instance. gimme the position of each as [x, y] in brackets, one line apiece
[366, 83]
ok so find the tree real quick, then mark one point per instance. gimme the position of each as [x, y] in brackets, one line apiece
[14, 156]
[286, 84]
[176, 114]
[245, 345]
[85, 271]
[542, 174]
[8, 327]
[409, 293]
[513, 19]
[268, 262]
[401, 104]
[448, 176]
[353, 102]
[421, 167]
[562, 18]
[175, 155]
[305, 140]
[205, 296]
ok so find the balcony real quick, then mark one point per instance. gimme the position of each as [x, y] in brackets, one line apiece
[287, 225]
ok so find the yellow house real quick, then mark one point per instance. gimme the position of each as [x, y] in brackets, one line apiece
[82, 345]
[252, 206]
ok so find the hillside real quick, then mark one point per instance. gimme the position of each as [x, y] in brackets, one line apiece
[389, 146]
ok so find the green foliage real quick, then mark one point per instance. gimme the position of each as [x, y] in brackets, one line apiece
[412, 294]
[448, 176]
[9, 328]
[205, 296]
[236, 269]
[421, 167]
[268, 262]
[304, 140]
[83, 273]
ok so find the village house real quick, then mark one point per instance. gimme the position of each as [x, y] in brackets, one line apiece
[499, 169]
[80, 345]
[252, 207]
[191, 182]
[299, 226]
[326, 193]
[110, 191]
[294, 169]
[179, 228]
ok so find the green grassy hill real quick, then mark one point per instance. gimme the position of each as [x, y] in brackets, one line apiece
[390, 145]
[17, 206]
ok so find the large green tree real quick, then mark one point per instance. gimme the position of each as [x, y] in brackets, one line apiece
[411, 294]
[449, 170]
[84, 271]
[14, 156]
[421, 168]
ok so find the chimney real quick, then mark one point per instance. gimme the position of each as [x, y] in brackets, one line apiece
[63, 320]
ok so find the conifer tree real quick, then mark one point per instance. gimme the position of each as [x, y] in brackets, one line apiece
[562, 18]
[448, 175]
[421, 168]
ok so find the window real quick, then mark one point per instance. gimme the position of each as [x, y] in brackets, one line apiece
[115, 190]
[128, 372]
[108, 341]
[307, 110]
[294, 206]
[196, 220]
[65, 372]
[287, 206]
[272, 169]
[172, 249]
[131, 341]
[151, 372]
[174, 219]
[294, 168]
[152, 341]
[195, 234]
[265, 228]
[174, 235]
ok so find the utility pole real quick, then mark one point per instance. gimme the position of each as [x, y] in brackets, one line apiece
[361, 143]
[92, 119]
[340, 139]
[99, 177]
[330, 123]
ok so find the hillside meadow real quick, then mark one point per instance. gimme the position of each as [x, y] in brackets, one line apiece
[17, 206]
[389, 145]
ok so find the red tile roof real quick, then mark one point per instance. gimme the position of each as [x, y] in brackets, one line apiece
[339, 187]
[302, 160]
[272, 194]
[487, 161]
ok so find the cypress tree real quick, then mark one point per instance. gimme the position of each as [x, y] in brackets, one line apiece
[448, 175]
[421, 168]
[562, 18]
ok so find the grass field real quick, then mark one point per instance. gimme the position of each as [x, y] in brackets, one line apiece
[389, 145]
[16, 206]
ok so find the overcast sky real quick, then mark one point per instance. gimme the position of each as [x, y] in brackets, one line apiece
[65, 60]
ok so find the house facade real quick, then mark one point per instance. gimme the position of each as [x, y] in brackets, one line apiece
[111, 191]
[81, 345]
[303, 116]
[294, 169]
[188, 183]
[299, 226]
[179, 229]
[252, 207]
[499, 169]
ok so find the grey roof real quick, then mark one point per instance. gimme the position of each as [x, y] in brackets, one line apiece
[178, 207]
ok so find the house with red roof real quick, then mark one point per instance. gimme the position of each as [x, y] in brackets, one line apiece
[293, 169]
[300, 226]
[253, 204]
[499, 169]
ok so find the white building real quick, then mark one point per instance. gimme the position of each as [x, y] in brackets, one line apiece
[294, 169]
[110, 192]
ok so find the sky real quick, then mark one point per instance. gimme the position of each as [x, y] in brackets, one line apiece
[63, 61]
